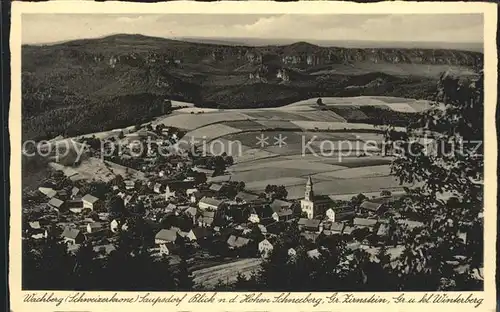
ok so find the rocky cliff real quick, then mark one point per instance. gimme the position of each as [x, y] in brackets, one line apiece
[117, 77]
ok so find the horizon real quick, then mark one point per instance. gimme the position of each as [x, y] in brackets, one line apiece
[244, 41]
[433, 28]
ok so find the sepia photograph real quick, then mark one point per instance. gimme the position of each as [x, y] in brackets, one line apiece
[253, 152]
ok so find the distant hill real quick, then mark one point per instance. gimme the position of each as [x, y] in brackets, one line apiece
[357, 44]
[96, 84]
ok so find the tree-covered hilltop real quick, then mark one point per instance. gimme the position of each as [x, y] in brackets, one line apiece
[100, 84]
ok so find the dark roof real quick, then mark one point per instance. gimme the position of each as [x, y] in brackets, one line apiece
[285, 212]
[364, 222]
[278, 205]
[197, 194]
[166, 235]
[235, 241]
[322, 198]
[96, 225]
[215, 187]
[90, 198]
[371, 206]
[191, 211]
[310, 236]
[335, 226]
[70, 233]
[201, 232]
[310, 223]
[264, 211]
[247, 196]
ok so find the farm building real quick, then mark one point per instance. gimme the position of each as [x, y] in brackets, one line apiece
[246, 197]
[372, 206]
[311, 225]
[209, 203]
[165, 236]
[340, 213]
[332, 228]
[360, 223]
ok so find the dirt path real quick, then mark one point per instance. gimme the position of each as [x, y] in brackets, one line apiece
[209, 277]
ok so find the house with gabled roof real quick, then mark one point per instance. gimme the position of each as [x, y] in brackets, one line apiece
[332, 228]
[206, 219]
[47, 191]
[265, 248]
[340, 213]
[375, 206]
[72, 236]
[360, 223]
[246, 197]
[90, 201]
[311, 225]
[209, 203]
[74, 192]
[235, 242]
[56, 204]
[94, 227]
[165, 236]
[201, 233]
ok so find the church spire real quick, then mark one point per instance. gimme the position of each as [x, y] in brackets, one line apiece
[309, 189]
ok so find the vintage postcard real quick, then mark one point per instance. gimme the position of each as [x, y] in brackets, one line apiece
[253, 156]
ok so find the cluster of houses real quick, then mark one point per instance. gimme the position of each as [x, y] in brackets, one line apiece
[246, 223]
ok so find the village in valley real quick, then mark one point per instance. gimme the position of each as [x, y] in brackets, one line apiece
[222, 229]
[235, 163]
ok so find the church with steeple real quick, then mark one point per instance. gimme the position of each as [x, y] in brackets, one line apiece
[314, 205]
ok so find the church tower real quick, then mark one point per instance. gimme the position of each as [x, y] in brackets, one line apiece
[309, 195]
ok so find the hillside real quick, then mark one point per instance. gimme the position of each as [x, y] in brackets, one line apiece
[97, 84]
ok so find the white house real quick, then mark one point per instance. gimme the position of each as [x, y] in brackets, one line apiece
[94, 227]
[340, 213]
[254, 218]
[157, 188]
[164, 250]
[114, 226]
[90, 201]
[41, 234]
[265, 248]
[129, 184]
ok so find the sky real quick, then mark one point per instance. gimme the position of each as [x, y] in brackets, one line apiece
[450, 28]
